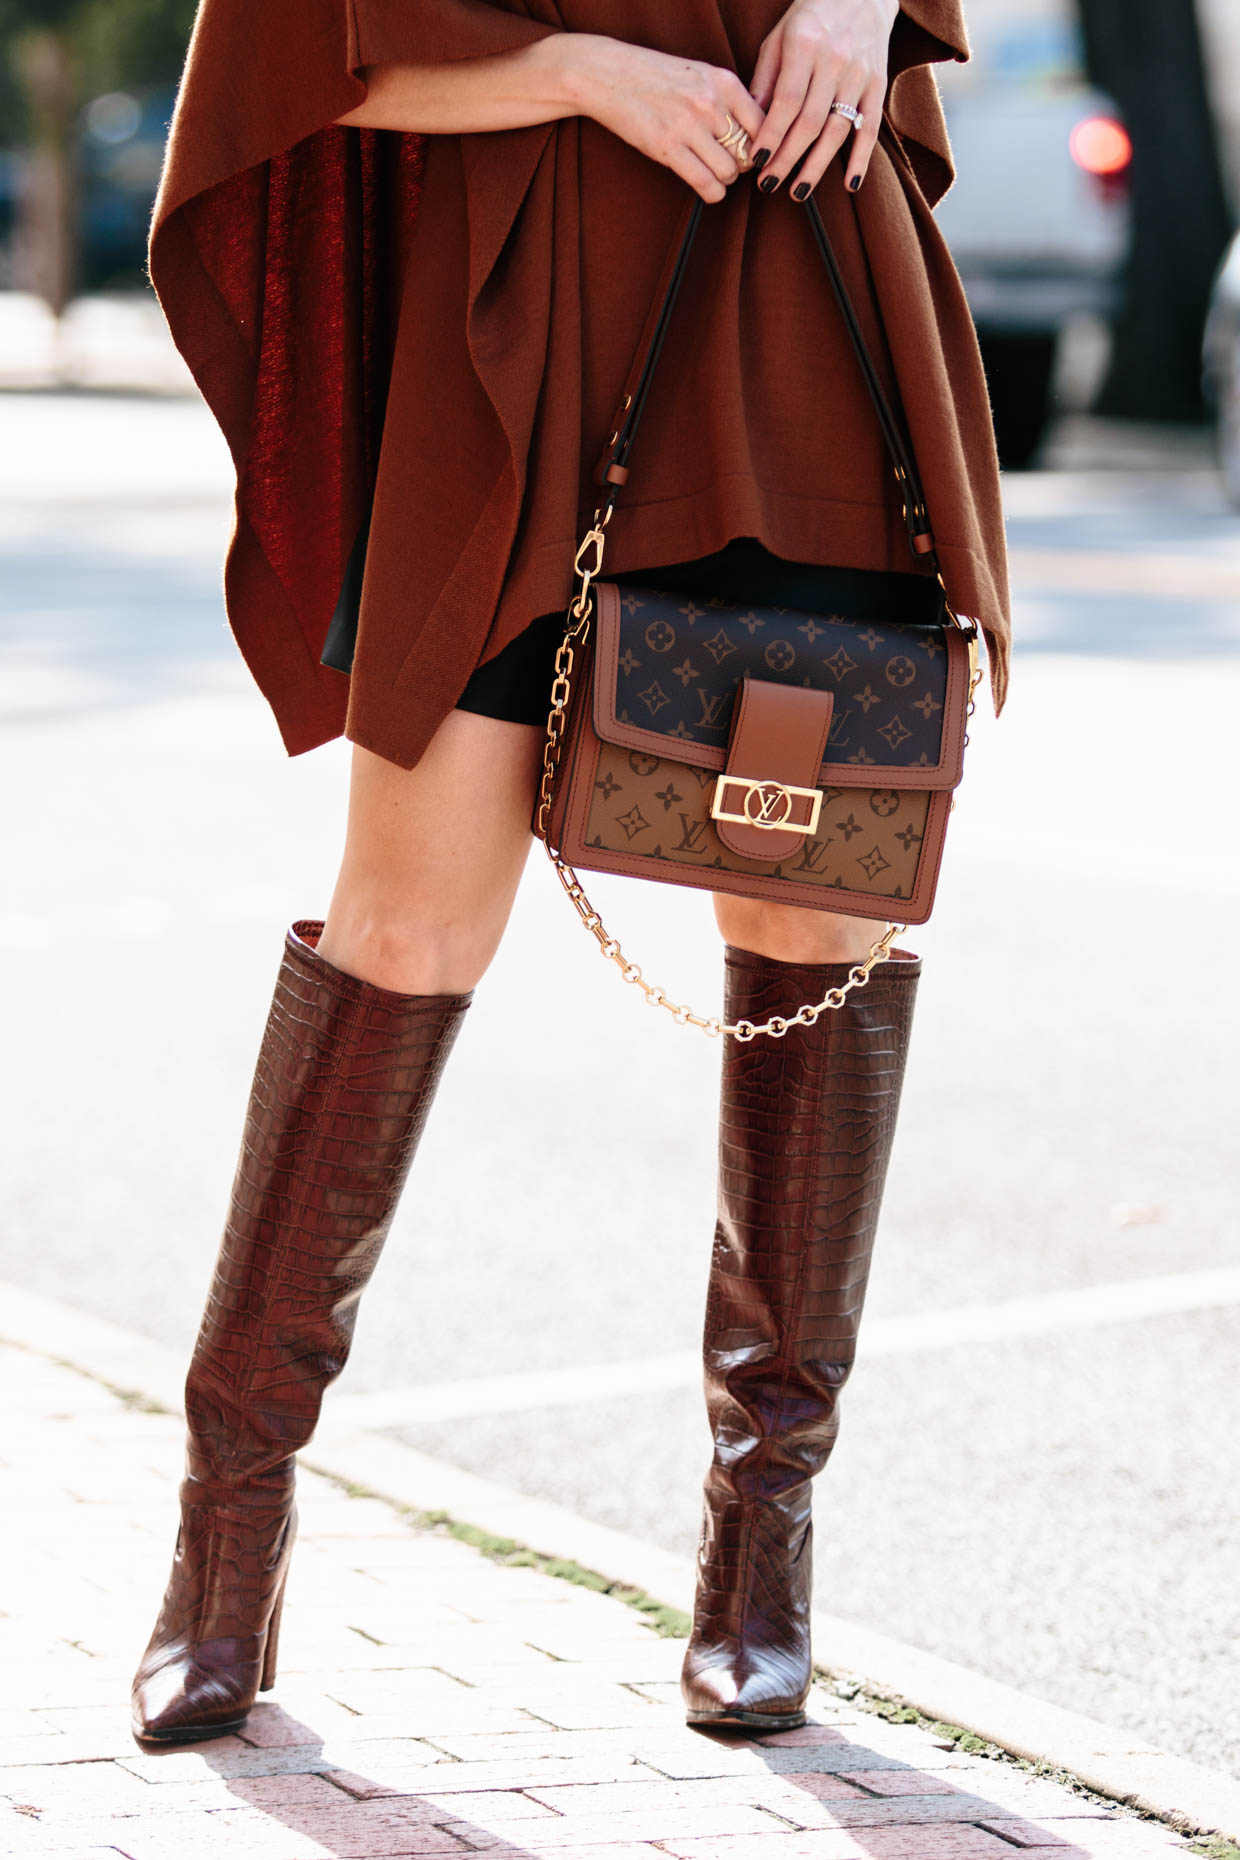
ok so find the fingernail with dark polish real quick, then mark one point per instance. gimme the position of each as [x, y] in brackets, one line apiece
[768, 184]
[761, 158]
[800, 190]
[854, 184]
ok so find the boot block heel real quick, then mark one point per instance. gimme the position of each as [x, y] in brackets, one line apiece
[271, 1646]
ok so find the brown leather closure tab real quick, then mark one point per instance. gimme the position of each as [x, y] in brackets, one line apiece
[766, 802]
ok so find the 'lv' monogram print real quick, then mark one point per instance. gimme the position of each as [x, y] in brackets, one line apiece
[888, 681]
[692, 835]
[813, 856]
[629, 814]
[716, 707]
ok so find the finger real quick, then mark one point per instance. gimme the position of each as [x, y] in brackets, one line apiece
[746, 109]
[711, 152]
[816, 162]
[691, 168]
[735, 108]
[820, 157]
[766, 71]
[858, 163]
[835, 135]
[811, 123]
[796, 72]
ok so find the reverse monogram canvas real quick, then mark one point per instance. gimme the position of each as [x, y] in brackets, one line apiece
[868, 840]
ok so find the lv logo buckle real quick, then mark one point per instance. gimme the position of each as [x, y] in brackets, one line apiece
[769, 805]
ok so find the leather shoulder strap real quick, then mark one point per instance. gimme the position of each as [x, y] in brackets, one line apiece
[613, 468]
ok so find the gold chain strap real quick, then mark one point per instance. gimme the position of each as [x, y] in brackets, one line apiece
[588, 566]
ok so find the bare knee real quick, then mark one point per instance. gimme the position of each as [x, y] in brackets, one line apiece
[790, 933]
[394, 944]
[433, 858]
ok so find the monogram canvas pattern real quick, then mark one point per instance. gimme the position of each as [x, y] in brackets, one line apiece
[680, 660]
[869, 840]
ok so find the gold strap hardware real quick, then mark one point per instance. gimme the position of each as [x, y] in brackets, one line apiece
[578, 625]
[766, 804]
[595, 538]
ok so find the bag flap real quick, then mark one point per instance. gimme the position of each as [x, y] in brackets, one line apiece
[668, 668]
[766, 802]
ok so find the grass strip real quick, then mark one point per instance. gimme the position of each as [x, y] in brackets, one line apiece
[669, 1623]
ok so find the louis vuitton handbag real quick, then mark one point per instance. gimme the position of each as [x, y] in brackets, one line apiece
[802, 757]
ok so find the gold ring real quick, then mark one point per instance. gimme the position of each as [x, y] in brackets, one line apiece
[736, 141]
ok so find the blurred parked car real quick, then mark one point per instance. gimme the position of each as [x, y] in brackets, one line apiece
[1038, 220]
[1222, 367]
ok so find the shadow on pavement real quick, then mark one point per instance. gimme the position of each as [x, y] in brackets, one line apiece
[683, 1787]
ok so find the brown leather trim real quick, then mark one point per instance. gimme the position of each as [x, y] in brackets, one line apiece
[839, 774]
[778, 736]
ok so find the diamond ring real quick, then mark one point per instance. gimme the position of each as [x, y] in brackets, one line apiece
[846, 109]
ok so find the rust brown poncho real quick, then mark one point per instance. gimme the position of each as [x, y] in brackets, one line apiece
[443, 325]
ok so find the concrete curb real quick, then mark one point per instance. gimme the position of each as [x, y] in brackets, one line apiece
[1115, 1763]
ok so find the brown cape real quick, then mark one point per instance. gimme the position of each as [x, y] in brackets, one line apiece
[440, 327]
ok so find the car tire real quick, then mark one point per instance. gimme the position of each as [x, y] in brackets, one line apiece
[1019, 370]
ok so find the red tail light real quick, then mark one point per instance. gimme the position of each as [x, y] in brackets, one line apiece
[1102, 147]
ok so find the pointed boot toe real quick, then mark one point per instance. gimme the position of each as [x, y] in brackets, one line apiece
[748, 1658]
[215, 1644]
[183, 1699]
[726, 1686]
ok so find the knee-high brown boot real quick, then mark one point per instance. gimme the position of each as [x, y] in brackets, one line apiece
[345, 1077]
[805, 1134]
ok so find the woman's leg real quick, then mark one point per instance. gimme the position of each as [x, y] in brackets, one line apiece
[788, 933]
[359, 1030]
[806, 1127]
[433, 857]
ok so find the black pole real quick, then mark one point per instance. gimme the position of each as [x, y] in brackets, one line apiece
[1147, 54]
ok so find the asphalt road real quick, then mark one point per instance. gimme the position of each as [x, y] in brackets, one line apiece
[1049, 1491]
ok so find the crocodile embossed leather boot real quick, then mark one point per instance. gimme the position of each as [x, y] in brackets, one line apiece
[805, 1133]
[345, 1077]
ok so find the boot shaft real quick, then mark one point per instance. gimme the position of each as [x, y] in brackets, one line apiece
[806, 1129]
[344, 1080]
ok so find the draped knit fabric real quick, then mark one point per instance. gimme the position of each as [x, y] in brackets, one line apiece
[437, 330]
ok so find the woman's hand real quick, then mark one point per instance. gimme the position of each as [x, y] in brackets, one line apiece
[822, 52]
[672, 109]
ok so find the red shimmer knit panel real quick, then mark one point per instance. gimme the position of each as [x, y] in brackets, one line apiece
[315, 301]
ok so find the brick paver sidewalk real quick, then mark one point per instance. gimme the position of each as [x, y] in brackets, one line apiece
[430, 1701]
